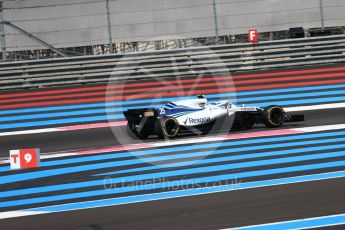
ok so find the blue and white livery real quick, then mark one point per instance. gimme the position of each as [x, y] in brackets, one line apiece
[199, 116]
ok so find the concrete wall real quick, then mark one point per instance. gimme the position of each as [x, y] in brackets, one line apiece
[68, 23]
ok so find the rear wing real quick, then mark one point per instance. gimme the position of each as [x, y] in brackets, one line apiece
[137, 115]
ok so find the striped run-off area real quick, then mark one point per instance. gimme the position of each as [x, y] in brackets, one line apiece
[89, 104]
[165, 170]
[92, 176]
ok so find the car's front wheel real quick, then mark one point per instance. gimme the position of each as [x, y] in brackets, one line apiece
[273, 116]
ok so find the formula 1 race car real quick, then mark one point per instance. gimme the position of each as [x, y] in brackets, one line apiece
[199, 116]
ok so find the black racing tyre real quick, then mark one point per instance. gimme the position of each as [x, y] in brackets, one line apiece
[273, 116]
[167, 127]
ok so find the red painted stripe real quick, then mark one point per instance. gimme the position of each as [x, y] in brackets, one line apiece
[92, 126]
[117, 86]
[226, 89]
[230, 83]
[195, 85]
[119, 91]
[168, 94]
[94, 88]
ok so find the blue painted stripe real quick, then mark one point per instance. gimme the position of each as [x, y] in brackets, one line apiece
[304, 101]
[205, 146]
[121, 117]
[281, 103]
[60, 171]
[160, 100]
[56, 108]
[257, 101]
[229, 166]
[216, 144]
[120, 154]
[121, 109]
[170, 184]
[51, 188]
[51, 115]
[60, 121]
[189, 192]
[254, 98]
[316, 222]
[229, 143]
[290, 96]
[279, 153]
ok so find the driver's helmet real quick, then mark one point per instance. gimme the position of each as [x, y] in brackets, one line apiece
[202, 105]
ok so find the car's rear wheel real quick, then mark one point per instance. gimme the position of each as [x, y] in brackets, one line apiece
[273, 116]
[167, 127]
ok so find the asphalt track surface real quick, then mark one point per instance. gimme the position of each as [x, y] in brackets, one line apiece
[214, 211]
[208, 211]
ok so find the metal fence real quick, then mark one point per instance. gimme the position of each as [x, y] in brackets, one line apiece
[87, 27]
[184, 62]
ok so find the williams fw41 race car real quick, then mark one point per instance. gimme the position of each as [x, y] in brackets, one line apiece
[199, 116]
